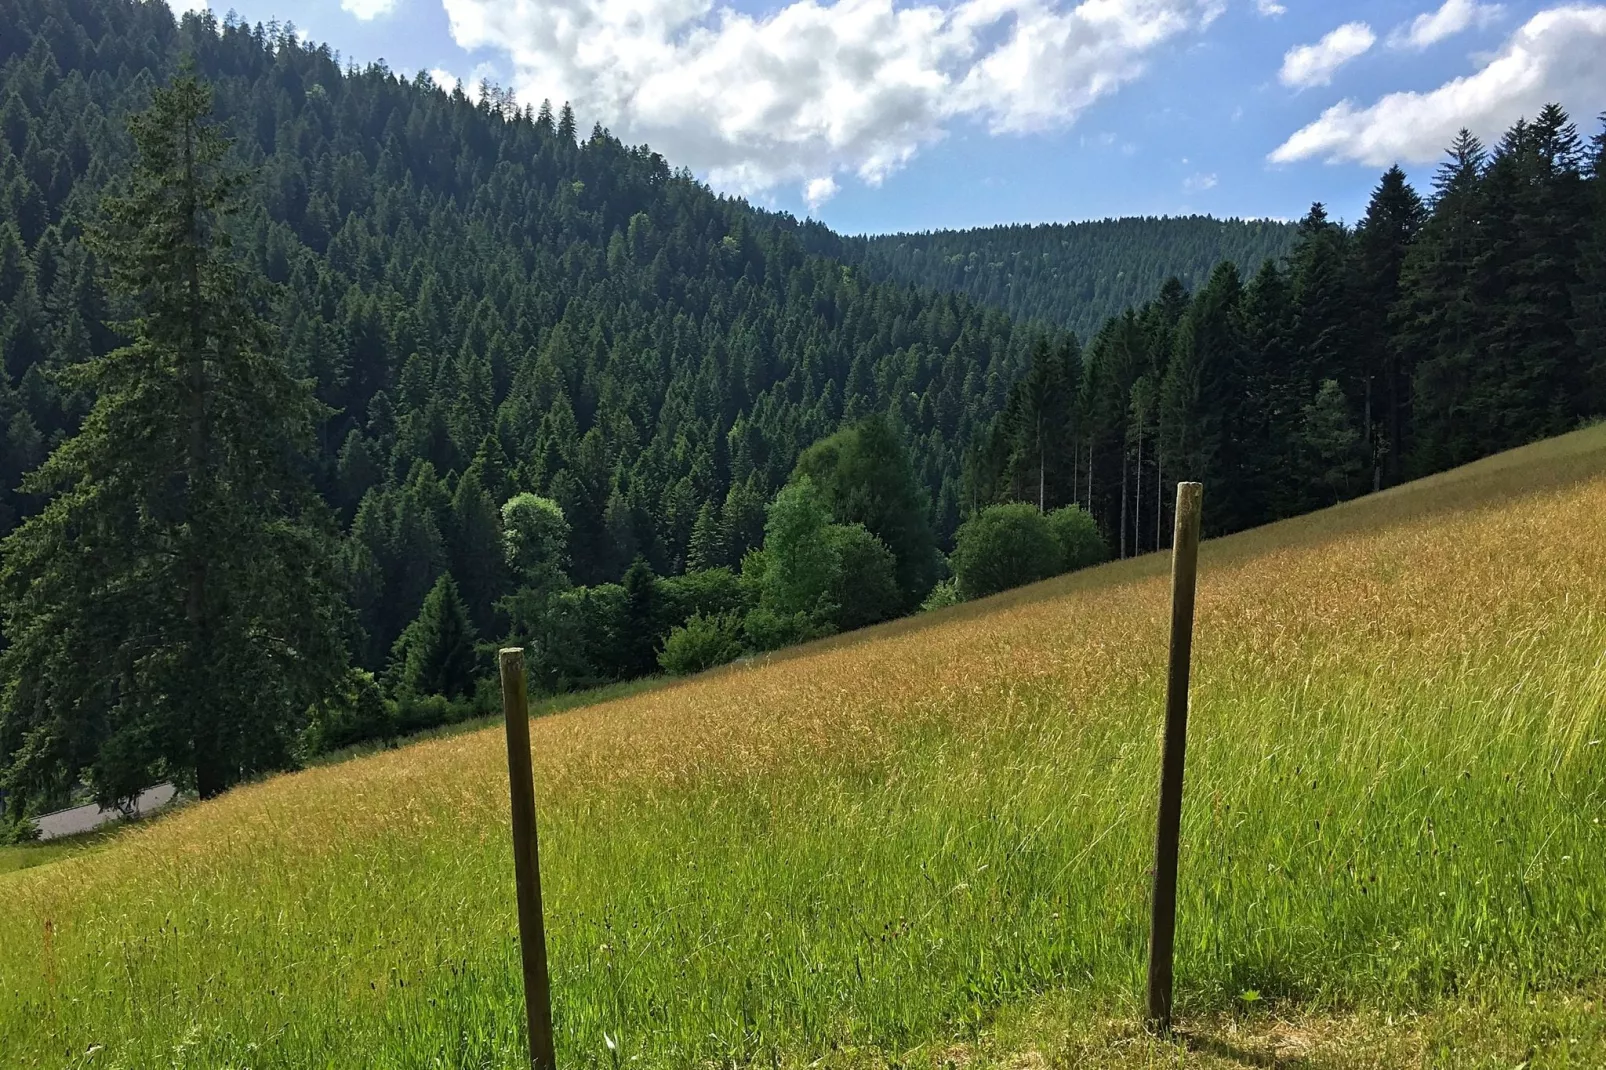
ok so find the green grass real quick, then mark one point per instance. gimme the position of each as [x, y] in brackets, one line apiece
[929, 844]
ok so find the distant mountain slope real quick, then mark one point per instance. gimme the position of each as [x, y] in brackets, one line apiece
[1072, 275]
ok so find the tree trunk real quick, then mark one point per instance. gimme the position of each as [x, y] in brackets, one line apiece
[1137, 501]
[1159, 491]
[1371, 439]
[1041, 462]
[205, 746]
[1123, 504]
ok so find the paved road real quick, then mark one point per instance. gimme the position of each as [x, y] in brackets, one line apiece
[84, 818]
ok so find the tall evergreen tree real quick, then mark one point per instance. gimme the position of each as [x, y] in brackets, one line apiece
[639, 638]
[1438, 318]
[171, 611]
[435, 653]
[1382, 239]
[1589, 294]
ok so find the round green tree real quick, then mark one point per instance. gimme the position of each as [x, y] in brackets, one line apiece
[1004, 546]
[1078, 536]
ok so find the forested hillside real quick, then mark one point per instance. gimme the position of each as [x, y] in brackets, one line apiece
[560, 394]
[1430, 334]
[1073, 275]
[466, 281]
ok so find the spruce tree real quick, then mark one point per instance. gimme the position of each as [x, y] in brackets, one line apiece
[435, 653]
[639, 641]
[707, 547]
[171, 611]
[1589, 293]
[1382, 239]
[1437, 318]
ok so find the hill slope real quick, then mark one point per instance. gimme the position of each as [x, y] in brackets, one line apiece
[1072, 275]
[1393, 806]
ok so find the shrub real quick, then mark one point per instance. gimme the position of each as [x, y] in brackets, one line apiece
[419, 713]
[1004, 546]
[711, 592]
[1078, 536]
[942, 596]
[356, 713]
[766, 629]
[864, 582]
[702, 643]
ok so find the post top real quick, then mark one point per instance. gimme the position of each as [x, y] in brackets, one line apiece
[511, 651]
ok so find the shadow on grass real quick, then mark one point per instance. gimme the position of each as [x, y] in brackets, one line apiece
[1201, 1043]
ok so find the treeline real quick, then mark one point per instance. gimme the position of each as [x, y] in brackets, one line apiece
[1071, 275]
[1428, 335]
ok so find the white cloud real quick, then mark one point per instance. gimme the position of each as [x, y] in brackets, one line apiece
[1432, 27]
[368, 9]
[482, 72]
[1270, 8]
[181, 6]
[819, 190]
[819, 88]
[1199, 183]
[1555, 56]
[1312, 65]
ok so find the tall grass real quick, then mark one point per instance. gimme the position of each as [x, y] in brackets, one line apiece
[1394, 798]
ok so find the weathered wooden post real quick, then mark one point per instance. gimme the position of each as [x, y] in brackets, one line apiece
[527, 861]
[1163, 918]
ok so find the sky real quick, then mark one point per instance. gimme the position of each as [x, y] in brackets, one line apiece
[892, 115]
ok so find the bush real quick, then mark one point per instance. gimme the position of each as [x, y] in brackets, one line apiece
[864, 583]
[355, 714]
[711, 592]
[1078, 536]
[421, 713]
[702, 643]
[942, 596]
[1004, 546]
[767, 629]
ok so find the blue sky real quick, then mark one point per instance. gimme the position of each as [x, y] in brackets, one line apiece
[882, 115]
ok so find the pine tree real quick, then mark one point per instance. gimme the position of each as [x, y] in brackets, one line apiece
[1437, 318]
[1382, 239]
[707, 547]
[639, 641]
[171, 612]
[476, 549]
[1589, 293]
[435, 653]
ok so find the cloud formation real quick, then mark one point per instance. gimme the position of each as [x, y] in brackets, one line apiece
[819, 88]
[1554, 56]
[368, 9]
[181, 6]
[1270, 8]
[1432, 27]
[1312, 65]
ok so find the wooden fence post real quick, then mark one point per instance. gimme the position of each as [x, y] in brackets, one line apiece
[527, 861]
[1163, 918]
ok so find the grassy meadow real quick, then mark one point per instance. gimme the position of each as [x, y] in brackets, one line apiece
[928, 844]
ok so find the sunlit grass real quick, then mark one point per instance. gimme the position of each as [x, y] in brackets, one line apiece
[870, 849]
